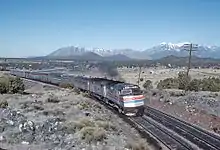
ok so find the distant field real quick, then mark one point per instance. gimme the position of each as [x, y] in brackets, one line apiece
[155, 75]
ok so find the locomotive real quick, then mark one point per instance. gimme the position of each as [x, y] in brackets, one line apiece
[127, 98]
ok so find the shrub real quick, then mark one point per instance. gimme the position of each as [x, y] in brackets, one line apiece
[4, 86]
[16, 86]
[141, 79]
[76, 91]
[183, 80]
[105, 125]
[194, 85]
[169, 83]
[66, 85]
[83, 122]
[70, 127]
[85, 94]
[138, 145]
[211, 84]
[93, 134]
[90, 131]
[3, 104]
[83, 105]
[53, 99]
[148, 85]
[11, 85]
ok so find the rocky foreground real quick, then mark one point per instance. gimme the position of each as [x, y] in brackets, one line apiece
[51, 118]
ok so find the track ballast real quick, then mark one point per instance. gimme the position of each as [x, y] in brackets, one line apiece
[196, 135]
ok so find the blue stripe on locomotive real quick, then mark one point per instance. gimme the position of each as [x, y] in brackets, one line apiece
[133, 101]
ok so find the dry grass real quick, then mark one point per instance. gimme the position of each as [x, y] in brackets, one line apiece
[83, 105]
[93, 134]
[66, 85]
[131, 75]
[84, 122]
[140, 144]
[76, 91]
[90, 131]
[105, 125]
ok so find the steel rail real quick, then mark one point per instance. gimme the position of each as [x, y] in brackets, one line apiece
[170, 140]
[196, 135]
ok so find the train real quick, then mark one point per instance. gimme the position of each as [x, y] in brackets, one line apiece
[127, 98]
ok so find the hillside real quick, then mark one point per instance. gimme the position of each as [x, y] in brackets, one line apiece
[76, 53]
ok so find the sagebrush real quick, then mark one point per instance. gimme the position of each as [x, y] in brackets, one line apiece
[148, 85]
[185, 82]
[11, 85]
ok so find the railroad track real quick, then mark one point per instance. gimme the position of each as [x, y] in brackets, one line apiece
[196, 135]
[165, 136]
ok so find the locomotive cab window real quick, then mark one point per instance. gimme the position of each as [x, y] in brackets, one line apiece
[136, 91]
[131, 91]
[126, 92]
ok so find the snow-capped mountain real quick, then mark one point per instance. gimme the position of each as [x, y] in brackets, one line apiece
[178, 49]
[161, 50]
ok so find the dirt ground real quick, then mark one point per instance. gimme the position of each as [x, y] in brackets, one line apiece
[52, 118]
[199, 108]
[157, 74]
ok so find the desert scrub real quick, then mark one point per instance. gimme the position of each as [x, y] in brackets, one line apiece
[66, 85]
[70, 127]
[83, 122]
[76, 90]
[83, 105]
[148, 85]
[183, 80]
[210, 84]
[106, 125]
[93, 134]
[140, 144]
[85, 94]
[3, 104]
[169, 83]
[194, 85]
[11, 85]
[53, 99]
[90, 131]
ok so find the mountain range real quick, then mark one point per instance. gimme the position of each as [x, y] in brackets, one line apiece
[156, 52]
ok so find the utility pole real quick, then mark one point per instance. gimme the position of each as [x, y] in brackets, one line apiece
[190, 47]
[189, 62]
[139, 75]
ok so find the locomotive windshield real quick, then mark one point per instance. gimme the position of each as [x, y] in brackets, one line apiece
[131, 91]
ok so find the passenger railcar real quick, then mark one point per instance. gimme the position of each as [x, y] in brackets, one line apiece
[127, 98]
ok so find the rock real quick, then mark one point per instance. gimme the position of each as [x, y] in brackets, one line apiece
[87, 114]
[10, 122]
[24, 142]
[2, 138]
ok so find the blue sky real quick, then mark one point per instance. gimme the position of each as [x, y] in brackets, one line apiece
[38, 27]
